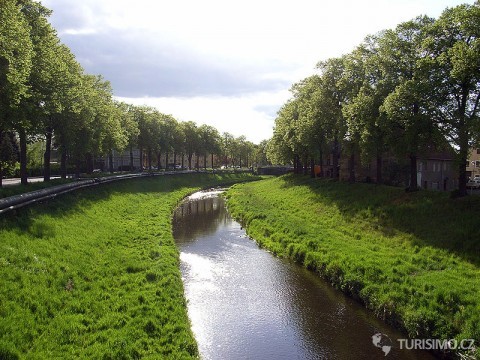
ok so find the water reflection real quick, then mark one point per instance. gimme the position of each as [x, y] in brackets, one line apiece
[246, 304]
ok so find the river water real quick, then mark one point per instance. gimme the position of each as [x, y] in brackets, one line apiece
[244, 303]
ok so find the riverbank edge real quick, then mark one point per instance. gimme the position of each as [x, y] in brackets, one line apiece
[186, 187]
[295, 248]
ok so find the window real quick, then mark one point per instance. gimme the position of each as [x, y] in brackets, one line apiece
[478, 151]
[477, 163]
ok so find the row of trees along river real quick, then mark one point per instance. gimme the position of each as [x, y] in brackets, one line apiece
[45, 95]
[399, 93]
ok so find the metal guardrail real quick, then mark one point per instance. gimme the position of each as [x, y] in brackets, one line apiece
[17, 201]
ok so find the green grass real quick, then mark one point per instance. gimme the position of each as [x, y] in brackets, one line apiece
[412, 258]
[95, 274]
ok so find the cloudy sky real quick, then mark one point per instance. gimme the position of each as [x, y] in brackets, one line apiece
[225, 63]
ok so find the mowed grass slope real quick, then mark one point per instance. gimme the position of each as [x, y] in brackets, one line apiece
[95, 274]
[411, 258]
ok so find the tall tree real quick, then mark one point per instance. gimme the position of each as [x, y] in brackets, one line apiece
[40, 30]
[410, 128]
[368, 89]
[129, 127]
[452, 58]
[16, 51]
[210, 142]
[333, 97]
[192, 140]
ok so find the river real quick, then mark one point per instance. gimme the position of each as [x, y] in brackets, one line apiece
[245, 303]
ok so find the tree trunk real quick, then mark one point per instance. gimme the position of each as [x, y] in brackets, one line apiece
[140, 149]
[190, 161]
[149, 159]
[175, 161]
[159, 160]
[1, 167]
[351, 167]
[413, 173]
[296, 164]
[321, 161]
[131, 158]
[335, 153]
[23, 156]
[379, 169]
[312, 167]
[462, 170]
[77, 168]
[205, 161]
[212, 161]
[47, 153]
[63, 162]
[110, 160]
[89, 162]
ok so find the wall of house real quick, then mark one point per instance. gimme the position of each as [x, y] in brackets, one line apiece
[432, 173]
[473, 163]
[437, 174]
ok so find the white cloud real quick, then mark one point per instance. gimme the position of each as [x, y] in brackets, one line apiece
[216, 61]
[251, 115]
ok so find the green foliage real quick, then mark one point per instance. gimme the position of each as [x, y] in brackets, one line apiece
[412, 258]
[95, 274]
[15, 60]
[403, 91]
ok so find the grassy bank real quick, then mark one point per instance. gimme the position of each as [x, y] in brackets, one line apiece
[411, 258]
[94, 274]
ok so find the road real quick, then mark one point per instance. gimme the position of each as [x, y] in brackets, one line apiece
[16, 181]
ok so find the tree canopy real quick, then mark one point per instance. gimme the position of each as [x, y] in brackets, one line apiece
[402, 91]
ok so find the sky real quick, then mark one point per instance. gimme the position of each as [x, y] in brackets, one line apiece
[225, 63]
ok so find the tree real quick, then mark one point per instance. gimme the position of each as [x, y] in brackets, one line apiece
[281, 148]
[57, 90]
[168, 136]
[192, 140]
[260, 154]
[178, 142]
[129, 127]
[40, 35]
[451, 60]
[368, 88]
[210, 142]
[16, 51]
[9, 152]
[410, 128]
[332, 98]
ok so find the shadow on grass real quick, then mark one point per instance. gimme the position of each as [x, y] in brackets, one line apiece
[433, 218]
[23, 219]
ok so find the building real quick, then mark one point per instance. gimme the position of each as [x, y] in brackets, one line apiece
[473, 163]
[436, 170]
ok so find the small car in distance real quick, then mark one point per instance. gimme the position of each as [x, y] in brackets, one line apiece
[473, 184]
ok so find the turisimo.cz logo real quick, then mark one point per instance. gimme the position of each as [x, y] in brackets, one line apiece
[384, 343]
